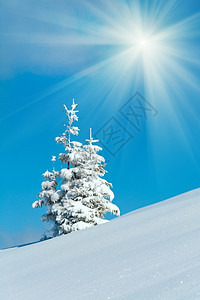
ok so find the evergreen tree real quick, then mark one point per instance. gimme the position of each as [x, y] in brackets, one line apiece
[98, 191]
[84, 197]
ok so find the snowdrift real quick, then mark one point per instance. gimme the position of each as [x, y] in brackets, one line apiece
[152, 253]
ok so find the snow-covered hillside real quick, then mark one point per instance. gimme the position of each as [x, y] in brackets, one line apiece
[152, 253]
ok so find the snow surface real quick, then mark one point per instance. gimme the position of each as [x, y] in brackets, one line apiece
[152, 253]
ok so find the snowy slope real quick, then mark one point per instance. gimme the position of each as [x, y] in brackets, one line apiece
[152, 253]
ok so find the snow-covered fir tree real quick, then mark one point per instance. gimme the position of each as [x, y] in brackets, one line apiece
[98, 191]
[84, 198]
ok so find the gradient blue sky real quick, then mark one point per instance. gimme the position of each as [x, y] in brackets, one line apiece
[100, 53]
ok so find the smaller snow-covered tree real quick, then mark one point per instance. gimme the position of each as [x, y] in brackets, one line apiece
[99, 194]
[87, 197]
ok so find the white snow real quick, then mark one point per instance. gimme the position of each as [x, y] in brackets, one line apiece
[66, 174]
[149, 254]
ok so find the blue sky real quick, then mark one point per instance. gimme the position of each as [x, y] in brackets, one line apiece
[106, 55]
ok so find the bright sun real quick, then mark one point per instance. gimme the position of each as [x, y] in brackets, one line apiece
[143, 42]
[145, 45]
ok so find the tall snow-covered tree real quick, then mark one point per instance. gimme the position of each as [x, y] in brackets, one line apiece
[84, 198]
[51, 196]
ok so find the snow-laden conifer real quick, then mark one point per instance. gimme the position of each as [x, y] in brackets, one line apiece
[99, 194]
[72, 214]
[86, 196]
[83, 198]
